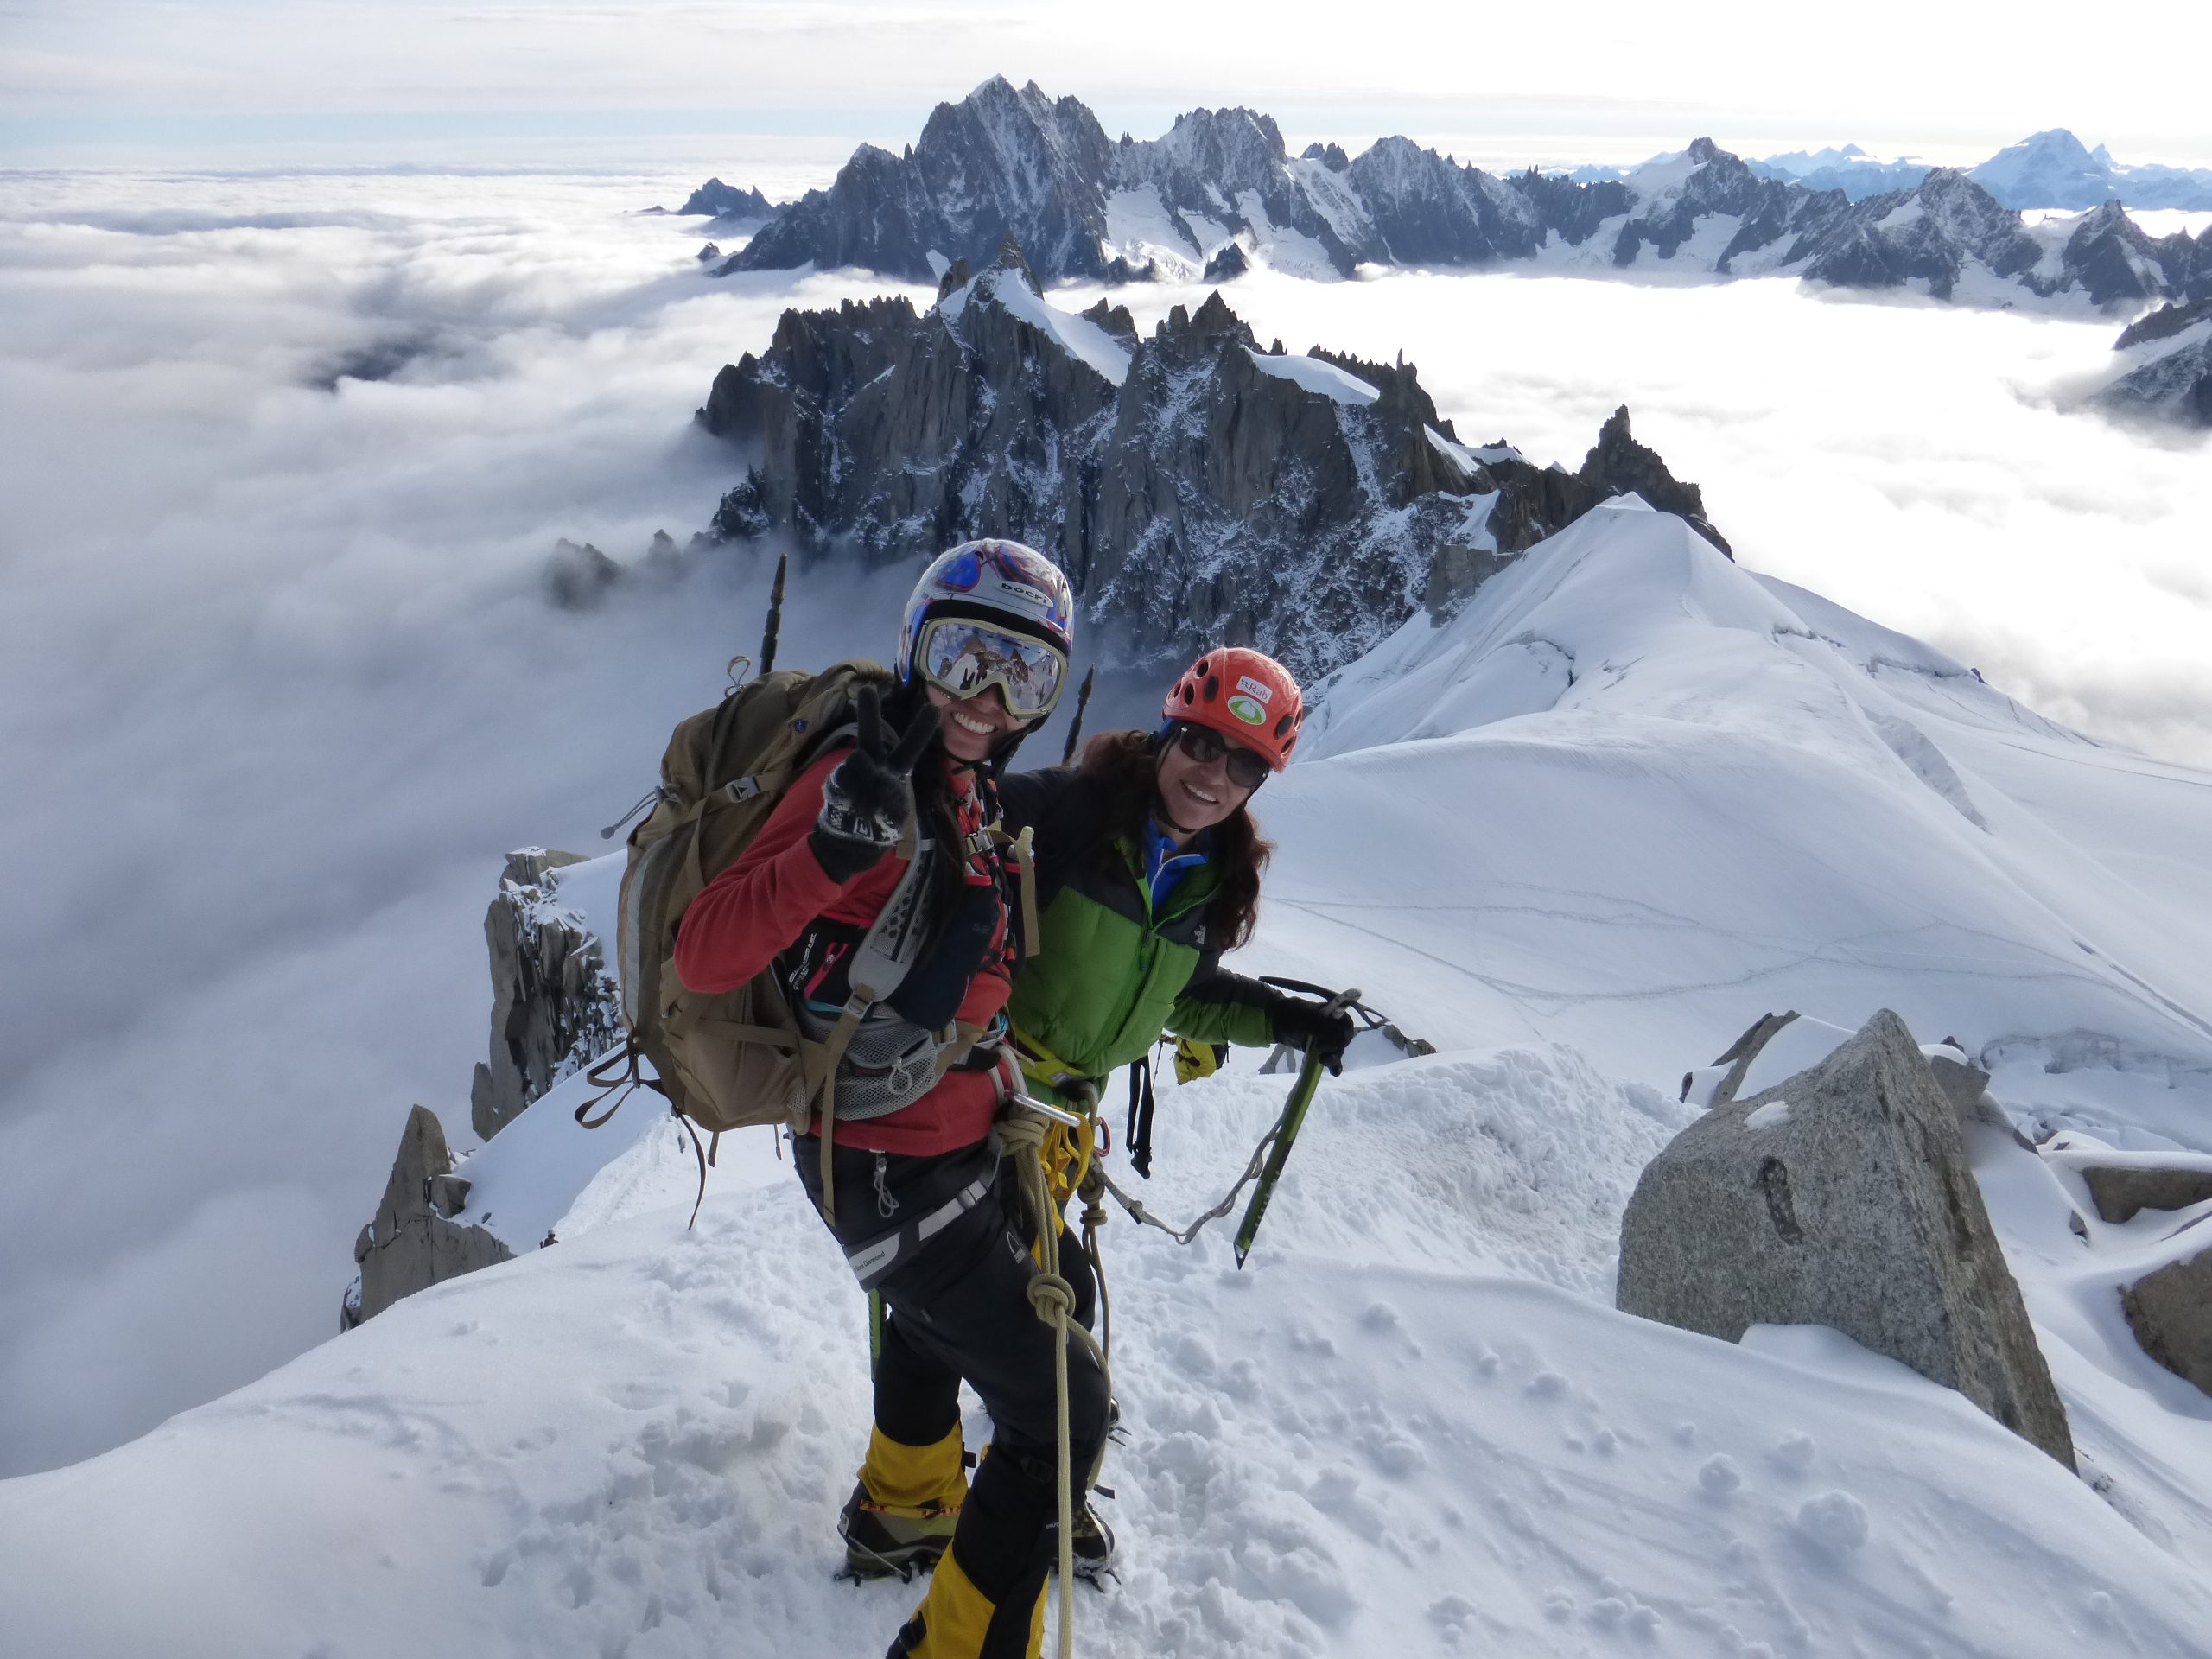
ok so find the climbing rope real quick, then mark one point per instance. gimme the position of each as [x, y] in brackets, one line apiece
[1022, 1134]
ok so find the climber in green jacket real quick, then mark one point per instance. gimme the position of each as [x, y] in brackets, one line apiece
[1148, 867]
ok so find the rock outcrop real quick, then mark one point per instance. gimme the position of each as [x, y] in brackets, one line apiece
[1011, 160]
[1842, 1197]
[2170, 377]
[413, 1242]
[1227, 265]
[578, 574]
[728, 201]
[554, 1003]
[2170, 1312]
[1193, 485]
[2122, 1185]
[1618, 464]
[2164, 323]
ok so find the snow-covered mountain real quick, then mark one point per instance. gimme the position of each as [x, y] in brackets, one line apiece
[2051, 169]
[1220, 192]
[2056, 169]
[1194, 485]
[2166, 372]
[1631, 796]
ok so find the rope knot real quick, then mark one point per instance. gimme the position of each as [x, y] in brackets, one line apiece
[1053, 1296]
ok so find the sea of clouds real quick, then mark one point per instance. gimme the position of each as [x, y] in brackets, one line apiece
[280, 682]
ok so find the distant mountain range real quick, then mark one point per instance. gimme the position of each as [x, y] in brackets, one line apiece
[1220, 194]
[2052, 169]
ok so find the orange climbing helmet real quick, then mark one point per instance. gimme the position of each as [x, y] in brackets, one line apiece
[1244, 694]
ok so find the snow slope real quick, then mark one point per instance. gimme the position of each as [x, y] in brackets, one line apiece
[635, 1443]
[1635, 795]
[1579, 836]
[1315, 375]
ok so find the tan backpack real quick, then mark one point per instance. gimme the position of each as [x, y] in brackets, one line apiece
[734, 1059]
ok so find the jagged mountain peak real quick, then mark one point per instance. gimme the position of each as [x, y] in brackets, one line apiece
[1197, 131]
[1218, 194]
[1191, 486]
[1011, 257]
[1182, 329]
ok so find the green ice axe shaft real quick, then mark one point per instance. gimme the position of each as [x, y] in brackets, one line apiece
[1293, 1114]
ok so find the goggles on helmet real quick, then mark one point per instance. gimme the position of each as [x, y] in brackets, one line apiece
[967, 658]
[1246, 769]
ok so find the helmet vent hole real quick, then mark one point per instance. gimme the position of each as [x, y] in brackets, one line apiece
[1213, 688]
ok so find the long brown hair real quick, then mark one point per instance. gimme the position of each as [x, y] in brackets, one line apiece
[1127, 764]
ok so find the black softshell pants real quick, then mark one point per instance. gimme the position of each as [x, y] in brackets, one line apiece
[960, 1310]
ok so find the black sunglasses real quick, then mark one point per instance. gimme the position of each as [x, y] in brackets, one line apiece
[1204, 745]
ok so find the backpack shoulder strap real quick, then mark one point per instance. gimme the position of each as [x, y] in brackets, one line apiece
[1018, 853]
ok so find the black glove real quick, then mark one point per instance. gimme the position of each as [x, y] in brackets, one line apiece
[865, 802]
[1316, 1029]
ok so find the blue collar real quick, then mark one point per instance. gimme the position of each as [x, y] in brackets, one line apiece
[1163, 865]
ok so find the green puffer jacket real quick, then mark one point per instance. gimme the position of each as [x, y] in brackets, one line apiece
[1112, 975]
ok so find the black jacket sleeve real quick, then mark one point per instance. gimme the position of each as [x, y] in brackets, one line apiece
[1026, 800]
[1061, 809]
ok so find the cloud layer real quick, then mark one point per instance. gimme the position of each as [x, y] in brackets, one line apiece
[278, 685]
[1920, 463]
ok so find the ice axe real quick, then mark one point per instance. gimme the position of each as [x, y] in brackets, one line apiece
[1286, 1127]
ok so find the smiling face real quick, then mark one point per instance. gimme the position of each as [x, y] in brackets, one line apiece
[1195, 795]
[972, 726]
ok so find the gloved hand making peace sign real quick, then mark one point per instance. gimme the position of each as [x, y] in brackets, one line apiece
[866, 801]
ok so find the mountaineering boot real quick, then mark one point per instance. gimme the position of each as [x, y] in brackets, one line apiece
[903, 1509]
[1093, 1544]
[958, 1621]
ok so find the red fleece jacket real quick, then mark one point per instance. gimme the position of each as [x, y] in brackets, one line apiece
[764, 901]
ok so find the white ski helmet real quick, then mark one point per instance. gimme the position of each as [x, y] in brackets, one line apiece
[993, 581]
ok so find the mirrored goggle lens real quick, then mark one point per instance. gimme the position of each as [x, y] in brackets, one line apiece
[1246, 769]
[967, 658]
